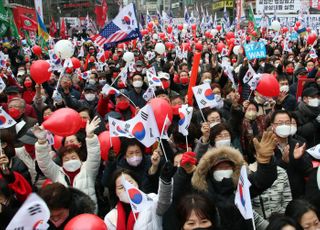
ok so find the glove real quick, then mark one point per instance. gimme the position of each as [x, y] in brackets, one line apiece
[318, 118]
[167, 172]
[188, 159]
[111, 155]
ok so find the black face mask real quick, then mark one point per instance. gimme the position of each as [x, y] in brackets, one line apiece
[208, 228]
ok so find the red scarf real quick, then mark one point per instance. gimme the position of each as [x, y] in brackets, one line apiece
[122, 223]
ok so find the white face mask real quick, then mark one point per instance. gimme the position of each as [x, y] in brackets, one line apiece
[102, 82]
[284, 88]
[90, 96]
[221, 143]
[137, 84]
[207, 81]
[213, 124]
[72, 165]
[92, 81]
[218, 175]
[283, 130]
[123, 197]
[314, 102]
[293, 130]
[134, 161]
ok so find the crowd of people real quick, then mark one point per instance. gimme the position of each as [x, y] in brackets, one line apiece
[192, 183]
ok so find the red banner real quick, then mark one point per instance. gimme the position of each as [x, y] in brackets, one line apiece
[28, 24]
[101, 13]
[21, 11]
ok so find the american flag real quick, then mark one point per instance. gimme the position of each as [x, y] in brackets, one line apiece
[123, 27]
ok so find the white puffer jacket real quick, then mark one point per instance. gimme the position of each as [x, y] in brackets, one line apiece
[85, 179]
[151, 217]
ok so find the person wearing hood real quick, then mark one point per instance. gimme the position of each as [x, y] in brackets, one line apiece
[136, 93]
[217, 175]
[300, 73]
[308, 114]
[290, 154]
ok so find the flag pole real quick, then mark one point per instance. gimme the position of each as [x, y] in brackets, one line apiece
[187, 145]
[161, 144]
[253, 224]
[204, 120]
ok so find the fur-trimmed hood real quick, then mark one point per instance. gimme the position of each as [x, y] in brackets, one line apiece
[210, 159]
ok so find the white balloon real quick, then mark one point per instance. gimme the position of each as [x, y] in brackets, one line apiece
[128, 56]
[185, 26]
[214, 32]
[236, 50]
[64, 49]
[155, 36]
[160, 48]
[275, 25]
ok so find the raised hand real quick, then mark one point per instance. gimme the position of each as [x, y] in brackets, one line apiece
[205, 129]
[91, 126]
[265, 148]
[188, 162]
[299, 151]
[39, 132]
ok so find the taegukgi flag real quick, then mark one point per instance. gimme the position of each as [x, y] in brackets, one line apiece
[204, 96]
[185, 114]
[242, 199]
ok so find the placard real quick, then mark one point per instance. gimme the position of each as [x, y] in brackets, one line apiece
[255, 50]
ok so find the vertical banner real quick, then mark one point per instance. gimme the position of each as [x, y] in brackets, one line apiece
[194, 75]
[238, 16]
[38, 7]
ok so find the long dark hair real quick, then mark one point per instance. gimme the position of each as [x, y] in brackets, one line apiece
[297, 208]
[278, 222]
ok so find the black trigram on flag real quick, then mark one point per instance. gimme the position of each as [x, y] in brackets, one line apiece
[34, 209]
[199, 91]
[19, 228]
[126, 127]
[144, 116]
[113, 123]
[203, 102]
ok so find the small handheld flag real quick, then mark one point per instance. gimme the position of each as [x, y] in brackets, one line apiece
[5, 120]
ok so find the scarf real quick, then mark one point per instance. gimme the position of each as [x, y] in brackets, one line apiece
[124, 223]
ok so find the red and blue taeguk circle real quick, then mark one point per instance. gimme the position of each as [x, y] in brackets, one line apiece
[182, 118]
[209, 94]
[135, 195]
[138, 131]
[120, 130]
[3, 119]
[155, 79]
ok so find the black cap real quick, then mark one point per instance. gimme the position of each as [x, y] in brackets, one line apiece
[29, 138]
[310, 92]
[301, 71]
[160, 91]
[90, 87]
[12, 89]
[112, 114]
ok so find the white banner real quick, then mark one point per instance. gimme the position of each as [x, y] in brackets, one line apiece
[278, 6]
[38, 6]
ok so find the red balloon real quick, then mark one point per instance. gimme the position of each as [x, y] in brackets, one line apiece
[198, 46]
[186, 46]
[86, 222]
[254, 33]
[144, 32]
[180, 27]
[296, 28]
[169, 29]
[105, 144]
[231, 41]
[194, 26]
[220, 47]
[39, 71]
[169, 45]
[268, 86]
[230, 35]
[285, 29]
[57, 142]
[298, 24]
[161, 108]
[107, 54]
[308, 29]
[150, 25]
[63, 122]
[207, 34]
[311, 39]
[36, 50]
[162, 35]
[219, 27]
[75, 62]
